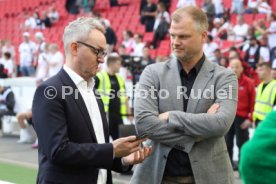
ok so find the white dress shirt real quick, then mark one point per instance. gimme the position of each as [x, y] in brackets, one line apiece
[86, 90]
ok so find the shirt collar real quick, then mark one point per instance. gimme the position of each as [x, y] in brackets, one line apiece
[77, 79]
[197, 67]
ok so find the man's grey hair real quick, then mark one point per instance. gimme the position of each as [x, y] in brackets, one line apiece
[79, 29]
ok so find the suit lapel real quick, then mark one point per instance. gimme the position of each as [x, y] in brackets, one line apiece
[79, 101]
[173, 83]
[204, 75]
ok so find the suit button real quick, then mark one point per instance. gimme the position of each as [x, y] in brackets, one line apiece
[165, 157]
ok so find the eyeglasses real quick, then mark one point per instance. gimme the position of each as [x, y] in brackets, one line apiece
[98, 52]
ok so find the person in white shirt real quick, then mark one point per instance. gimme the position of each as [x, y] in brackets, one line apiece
[219, 7]
[252, 6]
[138, 46]
[26, 55]
[30, 22]
[264, 7]
[53, 14]
[128, 41]
[56, 60]
[241, 29]
[42, 65]
[72, 128]
[209, 47]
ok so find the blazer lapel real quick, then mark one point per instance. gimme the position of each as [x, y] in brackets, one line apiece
[204, 75]
[173, 83]
[79, 101]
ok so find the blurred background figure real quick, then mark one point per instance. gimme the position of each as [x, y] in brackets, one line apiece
[243, 119]
[27, 54]
[266, 93]
[109, 84]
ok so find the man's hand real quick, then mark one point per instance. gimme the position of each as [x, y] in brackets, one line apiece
[126, 145]
[213, 109]
[246, 124]
[137, 157]
[164, 116]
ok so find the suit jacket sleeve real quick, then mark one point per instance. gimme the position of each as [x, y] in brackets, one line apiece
[50, 123]
[205, 125]
[146, 113]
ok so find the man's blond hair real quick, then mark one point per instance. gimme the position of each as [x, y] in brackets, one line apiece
[197, 15]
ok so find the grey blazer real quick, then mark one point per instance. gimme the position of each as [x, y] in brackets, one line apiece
[199, 134]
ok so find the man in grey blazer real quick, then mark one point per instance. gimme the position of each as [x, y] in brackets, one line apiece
[185, 106]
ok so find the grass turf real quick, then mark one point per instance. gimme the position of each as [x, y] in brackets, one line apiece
[17, 174]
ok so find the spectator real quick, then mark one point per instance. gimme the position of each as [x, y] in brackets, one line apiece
[7, 102]
[148, 15]
[209, 8]
[45, 20]
[8, 47]
[147, 60]
[266, 93]
[27, 53]
[264, 50]
[56, 60]
[161, 24]
[42, 66]
[8, 64]
[110, 35]
[259, 23]
[183, 3]
[219, 8]
[122, 51]
[209, 47]
[24, 120]
[30, 22]
[243, 118]
[138, 46]
[217, 56]
[252, 54]
[258, 156]
[128, 41]
[40, 46]
[264, 7]
[3, 72]
[241, 29]
[224, 62]
[271, 33]
[38, 21]
[237, 7]
[252, 6]
[53, 14]
[162, 15]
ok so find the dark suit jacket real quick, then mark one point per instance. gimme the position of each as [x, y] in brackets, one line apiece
[68, 150]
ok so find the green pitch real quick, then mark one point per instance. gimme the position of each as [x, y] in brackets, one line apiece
[17, 174]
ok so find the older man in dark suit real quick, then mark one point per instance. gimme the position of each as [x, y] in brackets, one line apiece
[69, 117]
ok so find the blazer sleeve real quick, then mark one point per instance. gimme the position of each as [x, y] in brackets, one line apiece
[205, 125]
[146, 114]
[50, 124]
